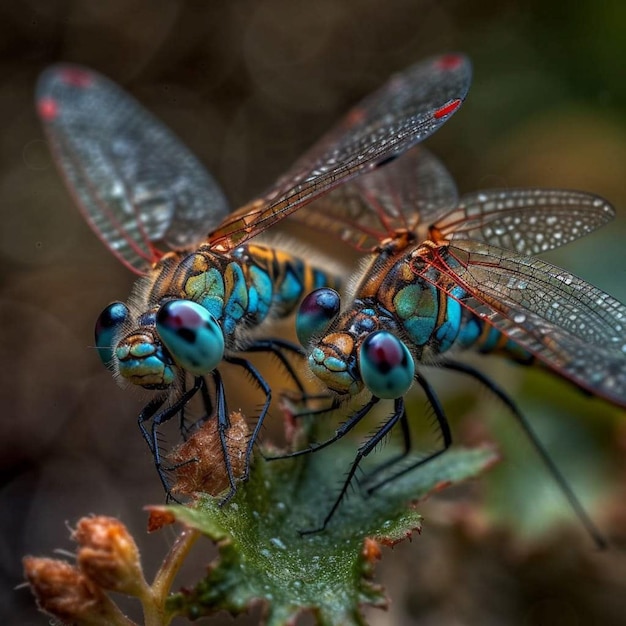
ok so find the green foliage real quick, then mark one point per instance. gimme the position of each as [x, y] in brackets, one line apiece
[263, 557]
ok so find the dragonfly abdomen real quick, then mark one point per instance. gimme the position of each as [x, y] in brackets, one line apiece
[479, 335]
[280, 279]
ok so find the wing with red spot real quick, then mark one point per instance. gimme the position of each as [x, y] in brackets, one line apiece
[135, 182]
[413, 189]
[408, 109]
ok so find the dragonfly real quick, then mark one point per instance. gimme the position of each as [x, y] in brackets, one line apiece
[206, 299]
[448, 274]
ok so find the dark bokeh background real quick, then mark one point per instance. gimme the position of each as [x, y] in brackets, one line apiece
[249, 85]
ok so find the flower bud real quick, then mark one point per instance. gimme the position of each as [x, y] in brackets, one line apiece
[108, 555]
[66, 593]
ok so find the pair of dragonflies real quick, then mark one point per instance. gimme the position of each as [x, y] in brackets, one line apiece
[445, 273]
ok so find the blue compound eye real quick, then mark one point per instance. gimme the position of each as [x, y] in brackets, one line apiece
[387, 367]
[316, 313]
[108, 325]
[192, 336]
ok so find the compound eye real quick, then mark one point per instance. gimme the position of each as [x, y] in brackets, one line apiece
[191, 335]
[387, 367]
[316, 313]
[108, 326]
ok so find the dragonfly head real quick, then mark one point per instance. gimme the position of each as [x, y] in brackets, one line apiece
[180, 334]
[333, 361]
[353, 351]
[332, 357]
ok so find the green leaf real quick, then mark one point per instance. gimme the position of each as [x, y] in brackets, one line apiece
[264, 558]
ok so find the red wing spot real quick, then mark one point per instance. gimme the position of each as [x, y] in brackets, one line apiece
[449, 62]
[48, 109]
[447, 109]
[76, 77]
[356, 116]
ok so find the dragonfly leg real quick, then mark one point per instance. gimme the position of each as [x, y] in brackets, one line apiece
[444, 429]
[291, 402]
[209, 411]
[278, 347]
[223, 424]
[261, 382]
[182, 426]
[551, 466]
[146, 415]
[406, 444]
[151, 412]
[363, 450]
[343, 429]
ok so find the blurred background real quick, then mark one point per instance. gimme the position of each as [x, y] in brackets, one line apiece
[248, 86]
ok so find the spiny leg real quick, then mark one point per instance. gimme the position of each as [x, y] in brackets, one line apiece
[334, 404]
[182, 427]
[146, 414]
[150, 411]
[209, 411]
[578, 508]
[248, 367]
[343, 429]
[278, 347]
[362, 452]
[444, 429]
[223, 424]
[406, 442]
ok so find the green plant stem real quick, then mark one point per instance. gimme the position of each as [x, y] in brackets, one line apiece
[153, 600]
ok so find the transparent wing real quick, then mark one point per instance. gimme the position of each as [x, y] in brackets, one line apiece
[409, 108]
[529, 221]
[135, 182]
[569, 325]
[416, 187]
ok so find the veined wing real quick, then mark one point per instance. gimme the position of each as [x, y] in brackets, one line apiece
[571, 326]
[135, 182]
[409, 108]
[414, 188]
[529, 221]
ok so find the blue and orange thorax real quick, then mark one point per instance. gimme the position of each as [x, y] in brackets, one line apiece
[234, 292]
[392, 297]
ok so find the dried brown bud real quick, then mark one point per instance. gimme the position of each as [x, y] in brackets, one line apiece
[158, 518]
[108, 555]
[66, 593]
[199, 462]
[371, 550]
